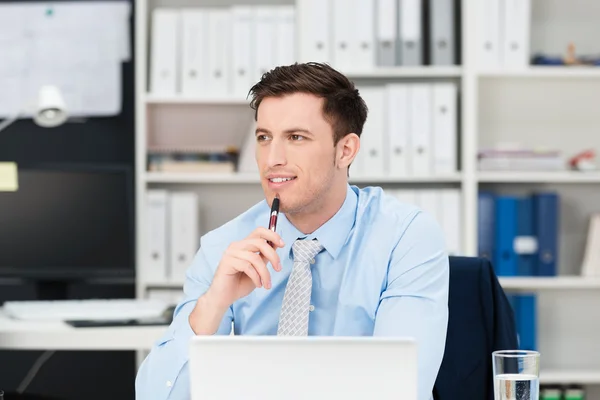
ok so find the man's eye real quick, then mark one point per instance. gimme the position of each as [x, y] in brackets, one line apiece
[261, 138]
[297, 137]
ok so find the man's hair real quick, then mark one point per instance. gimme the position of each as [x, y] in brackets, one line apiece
[343, 107]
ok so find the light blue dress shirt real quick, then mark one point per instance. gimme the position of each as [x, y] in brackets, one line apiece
[384, 272]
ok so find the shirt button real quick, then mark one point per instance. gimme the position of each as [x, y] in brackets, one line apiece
[312, 260]
[311, 308]
[169, 384]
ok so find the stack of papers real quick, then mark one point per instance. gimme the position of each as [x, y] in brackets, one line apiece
[77, 46]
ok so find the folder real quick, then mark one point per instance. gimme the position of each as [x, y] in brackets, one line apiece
[184, 233]
[526, 243]
[386, 32]
[546, 223]
[505, 260]
[515, 33]
[364, 39]
[397, 104]
[442, 40]
[451, 219]
[372, 137]
[265, 41]
[411, 35]
[242, 50]
[486, 223]
[314, 26]
[164, 51]
[285, 35]
[343, 27]
[420, 115]
[194, 48]
[488, 50]
[219, 52]
[444, 136]
[156, 254]
[526, 321]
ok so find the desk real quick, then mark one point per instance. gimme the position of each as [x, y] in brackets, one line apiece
[30, 335]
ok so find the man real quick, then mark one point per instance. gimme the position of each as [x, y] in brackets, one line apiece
[378, 266]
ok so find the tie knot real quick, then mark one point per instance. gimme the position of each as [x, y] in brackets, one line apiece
[305, 250]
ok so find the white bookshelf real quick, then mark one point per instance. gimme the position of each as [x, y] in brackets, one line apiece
[553, 106]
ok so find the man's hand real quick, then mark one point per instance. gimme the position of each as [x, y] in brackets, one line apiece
[242, 269]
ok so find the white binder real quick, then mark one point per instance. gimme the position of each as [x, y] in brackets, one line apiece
[285, 35]
[155, 264]
[343, 26]
[386, 32]
[450, 219]
[265, 41]
[184, 233]
[364, 35]
[314, 20]
[407, 196]
[515, 33]
[194, 48]
[442, 38]
[444, 128]
[488, 34]
[372, 137]
[411, 35]
[397, 130]
[420, 112]
[242, 50]
[164, 51]
[219, 52]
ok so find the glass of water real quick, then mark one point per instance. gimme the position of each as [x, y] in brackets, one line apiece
[516, 375]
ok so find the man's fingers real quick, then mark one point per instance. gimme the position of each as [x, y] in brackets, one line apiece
[247, 268]
[259, 266]
[266, 251]
[268, 235]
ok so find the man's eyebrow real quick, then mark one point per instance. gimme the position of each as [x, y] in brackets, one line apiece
[287, 131]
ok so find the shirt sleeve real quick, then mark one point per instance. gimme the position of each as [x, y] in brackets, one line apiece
[415, 300]
[164, 373]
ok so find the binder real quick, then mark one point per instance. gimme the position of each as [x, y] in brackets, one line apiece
[526, 241]
[407, 196]
[444, 128]
[184, 233]
[451, 219]
[219, 52]
[526, 321]
[243, 51]
[505, 260]
[515, 33]
[546, 222]
[397, 104]
[420, 116]
[156, 254]
[194, 48]
[285, 35]
[486, 223]
[343, 27]
[488, 33]
[411, 32]
[364, 29]
[265, 41]
[442, 40]
[386, 34]
[164, 52]
[429, 201]
[372, 137]
[314, 26]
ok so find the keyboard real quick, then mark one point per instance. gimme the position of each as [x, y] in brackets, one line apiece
[86, 310]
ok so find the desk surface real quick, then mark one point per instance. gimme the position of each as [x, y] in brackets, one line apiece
[34, 335]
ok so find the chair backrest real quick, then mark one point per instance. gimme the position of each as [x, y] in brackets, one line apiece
[480, 322]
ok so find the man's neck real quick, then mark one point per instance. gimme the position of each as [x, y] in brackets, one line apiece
[309, 221]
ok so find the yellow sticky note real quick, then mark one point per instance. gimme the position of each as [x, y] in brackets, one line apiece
[9, 181]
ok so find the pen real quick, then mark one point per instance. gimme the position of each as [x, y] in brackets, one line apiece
[273, 216]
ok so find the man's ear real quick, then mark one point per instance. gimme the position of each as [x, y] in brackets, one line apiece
[347, 149]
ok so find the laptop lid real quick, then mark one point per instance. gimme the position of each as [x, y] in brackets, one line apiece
[315, 368]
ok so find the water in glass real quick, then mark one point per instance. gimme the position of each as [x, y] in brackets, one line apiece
[517, 387]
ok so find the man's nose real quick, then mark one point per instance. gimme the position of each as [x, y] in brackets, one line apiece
[276, 156]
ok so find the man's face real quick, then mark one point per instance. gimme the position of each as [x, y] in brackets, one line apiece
[295, 151]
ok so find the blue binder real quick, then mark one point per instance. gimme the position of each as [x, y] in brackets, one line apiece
[485, 225]
[526, 321]
[505, 258]
[526, 262]
[546, 222]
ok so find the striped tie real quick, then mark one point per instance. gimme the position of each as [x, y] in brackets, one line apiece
[293, 320]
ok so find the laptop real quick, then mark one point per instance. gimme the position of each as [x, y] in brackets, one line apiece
[307, 368]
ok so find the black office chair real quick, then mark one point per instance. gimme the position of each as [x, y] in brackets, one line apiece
[481, 321]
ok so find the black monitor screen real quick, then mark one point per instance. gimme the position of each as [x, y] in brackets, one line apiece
[76, 220]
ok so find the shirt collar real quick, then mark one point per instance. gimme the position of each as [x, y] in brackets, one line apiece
[332, 234]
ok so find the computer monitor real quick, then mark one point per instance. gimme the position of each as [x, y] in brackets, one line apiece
[294, 368]
[68, 221]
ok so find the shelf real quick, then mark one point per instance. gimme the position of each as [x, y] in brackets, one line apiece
[180, 99]
[227, 178]
[549, 283]
[543, 72]
[580, 377]
[539, 177]
[407, 72]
